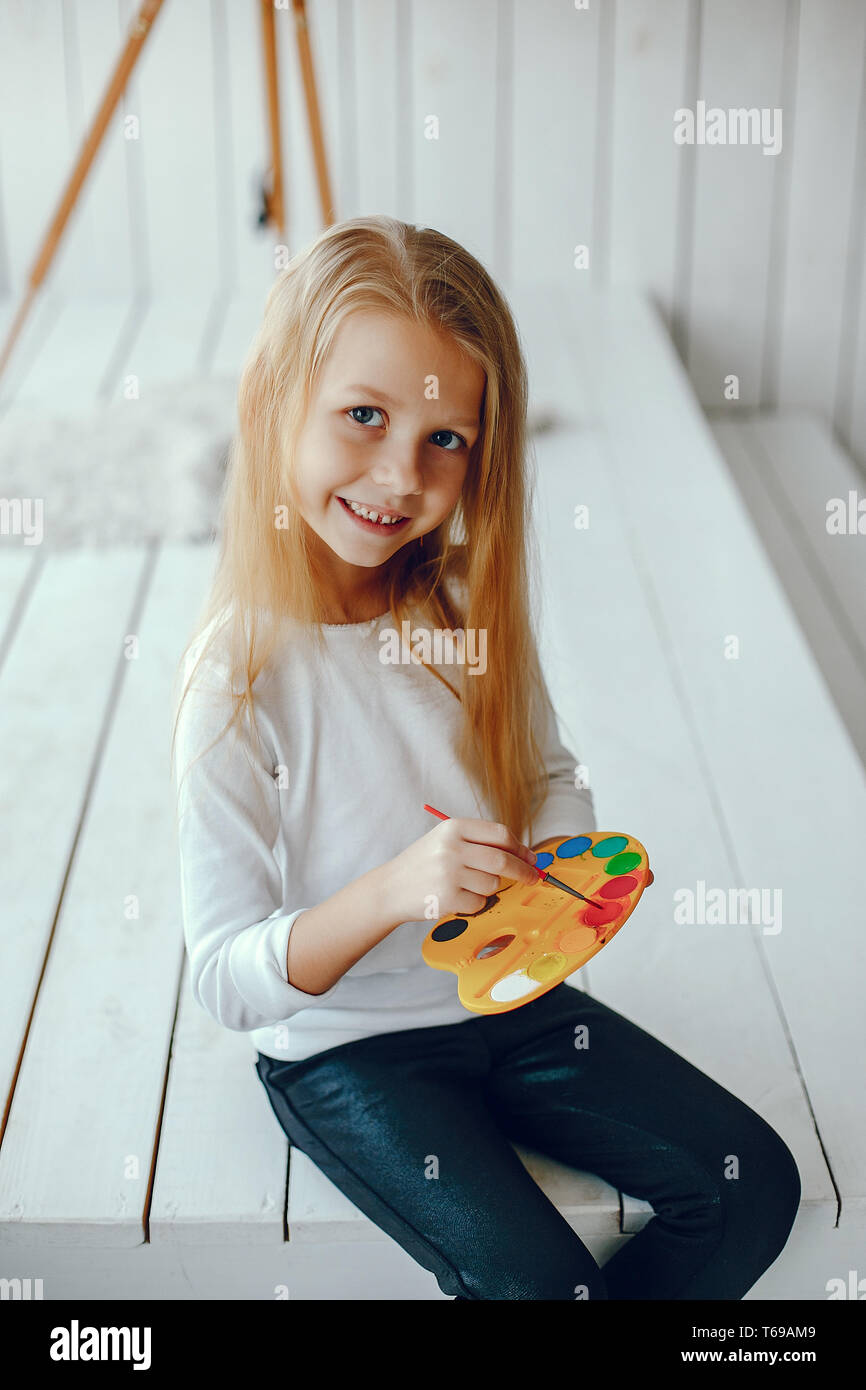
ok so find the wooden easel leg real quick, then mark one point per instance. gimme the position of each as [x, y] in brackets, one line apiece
[138, 32]
[273, 197]
[314, 122]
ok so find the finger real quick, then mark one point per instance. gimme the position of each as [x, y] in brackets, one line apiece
[489, 832]
[498, 861]
[476, 881]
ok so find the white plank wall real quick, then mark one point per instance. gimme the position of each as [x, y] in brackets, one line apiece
[103, 254]
[555, 202]
[378, 126]
[816, 322]
[650, 72]
[555, 129]
[454, 79]
[742, 46]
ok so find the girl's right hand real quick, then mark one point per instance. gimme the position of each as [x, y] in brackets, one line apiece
[455, 868]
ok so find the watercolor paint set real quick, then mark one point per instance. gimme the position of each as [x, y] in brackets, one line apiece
[529, 938]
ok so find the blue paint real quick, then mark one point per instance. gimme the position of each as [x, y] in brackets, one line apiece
[544, 860]
[576, 845]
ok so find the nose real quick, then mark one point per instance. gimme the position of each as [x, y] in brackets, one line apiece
[397, 469]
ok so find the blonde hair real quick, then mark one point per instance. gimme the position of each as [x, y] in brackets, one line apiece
[264, 573]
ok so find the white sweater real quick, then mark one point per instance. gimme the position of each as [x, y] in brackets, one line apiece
[361, 745]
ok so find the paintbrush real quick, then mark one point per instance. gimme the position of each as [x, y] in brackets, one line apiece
[543, 874]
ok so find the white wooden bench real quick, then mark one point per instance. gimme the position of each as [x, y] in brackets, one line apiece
[788, 467]
[140, 1157]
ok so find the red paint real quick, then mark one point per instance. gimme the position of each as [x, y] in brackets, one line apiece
[618, 887]
[600, 916]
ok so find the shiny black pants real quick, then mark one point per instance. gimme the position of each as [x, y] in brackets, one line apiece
[414, 1128]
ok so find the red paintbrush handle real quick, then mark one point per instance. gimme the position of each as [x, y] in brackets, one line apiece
[442, 816]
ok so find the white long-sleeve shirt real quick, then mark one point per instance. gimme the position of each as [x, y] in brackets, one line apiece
[352, 747]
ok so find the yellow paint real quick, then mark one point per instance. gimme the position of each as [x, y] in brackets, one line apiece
[546, 967]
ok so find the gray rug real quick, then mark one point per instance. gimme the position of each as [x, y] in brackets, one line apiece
[126, 472]
[132, 471]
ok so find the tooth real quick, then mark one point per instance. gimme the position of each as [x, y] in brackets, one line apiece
[381, 520]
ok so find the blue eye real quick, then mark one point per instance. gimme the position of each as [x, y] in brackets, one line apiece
[363, 407]
[460, 440]
[450, 448]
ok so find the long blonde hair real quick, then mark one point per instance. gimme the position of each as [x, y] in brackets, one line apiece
[264, 572]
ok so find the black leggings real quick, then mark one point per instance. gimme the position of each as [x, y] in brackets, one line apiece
[414, 1128]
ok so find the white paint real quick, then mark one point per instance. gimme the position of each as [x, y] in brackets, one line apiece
[513, 987]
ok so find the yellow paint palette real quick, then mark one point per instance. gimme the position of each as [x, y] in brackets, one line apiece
[528, 938]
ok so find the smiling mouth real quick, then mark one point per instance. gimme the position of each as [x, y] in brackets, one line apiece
[372, 517]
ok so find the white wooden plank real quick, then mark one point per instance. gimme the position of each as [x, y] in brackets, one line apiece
[347, 1270]
[557, 391]
[765, 734]
[642, 770]
[19, 565]
[237, 29]
[851, 398]
[381, 70]
[809, 470]
[831, 45]
[172, 340]
[241, 320]
[552, 167]
[74, 352]
[825, 602]
[110, 985]
[100, 250]
[33, 118]
[54, 687]
[223, 1160]
[650, 67]
[35, 331]
[734, 191]
[453, 78]
[222, 1163]
[172, 94]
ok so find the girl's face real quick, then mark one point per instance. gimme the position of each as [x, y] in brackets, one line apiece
[394, 413]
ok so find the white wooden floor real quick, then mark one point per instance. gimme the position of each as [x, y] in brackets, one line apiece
[139, 1155]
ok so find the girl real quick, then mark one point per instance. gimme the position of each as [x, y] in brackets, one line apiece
[378, 477]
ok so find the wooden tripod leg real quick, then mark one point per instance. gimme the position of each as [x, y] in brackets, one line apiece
[302, 36]
[273, 196]
[138, 32]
